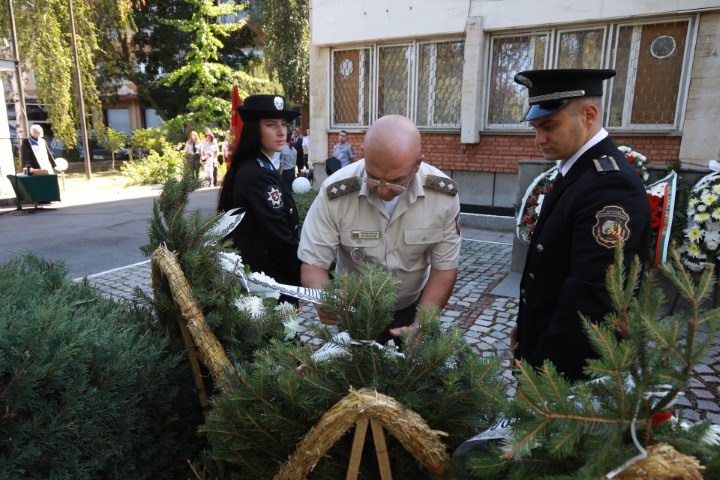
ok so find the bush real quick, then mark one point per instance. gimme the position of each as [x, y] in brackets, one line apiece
[85, 393]
[156, 168]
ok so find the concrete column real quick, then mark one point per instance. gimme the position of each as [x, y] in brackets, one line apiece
[473, 82]
[320, 103]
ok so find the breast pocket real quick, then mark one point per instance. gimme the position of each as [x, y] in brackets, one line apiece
[418, 242]
[361, 248]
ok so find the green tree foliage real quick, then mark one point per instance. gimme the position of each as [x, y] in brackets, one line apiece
[286, 24]
[156, 168]
[114, 141]
[565, 430]
[45, 45]
[86, 390]
[274, 401]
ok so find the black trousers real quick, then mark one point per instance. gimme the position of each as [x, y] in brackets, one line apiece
[401, 318]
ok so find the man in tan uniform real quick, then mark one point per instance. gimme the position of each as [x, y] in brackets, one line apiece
[390, 209]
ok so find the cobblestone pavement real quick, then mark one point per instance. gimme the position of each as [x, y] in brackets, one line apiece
[484, 312]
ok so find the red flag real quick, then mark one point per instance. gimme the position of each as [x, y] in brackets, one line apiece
[235, 120]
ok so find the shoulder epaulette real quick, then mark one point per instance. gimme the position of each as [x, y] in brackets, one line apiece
[342, 187]
[605, 164]
[441, 184]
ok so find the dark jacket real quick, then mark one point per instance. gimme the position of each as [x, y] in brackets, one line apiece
[570, 252]
[267, 237]
[27, 155]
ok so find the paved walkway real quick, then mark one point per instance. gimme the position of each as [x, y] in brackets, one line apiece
[483, 305]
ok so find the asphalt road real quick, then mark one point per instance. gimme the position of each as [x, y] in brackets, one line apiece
[89, 238]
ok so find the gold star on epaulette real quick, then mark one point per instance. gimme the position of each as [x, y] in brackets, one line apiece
[441, 184]
[342, 187]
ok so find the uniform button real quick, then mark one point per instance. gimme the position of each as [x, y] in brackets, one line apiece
[522, 292]
[532, 276]
[539, 248]
[291, 210]
[524, 301]
[295, 227]
[424, 237]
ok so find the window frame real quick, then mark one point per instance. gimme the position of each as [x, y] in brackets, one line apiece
[413, 75]
[608, 55]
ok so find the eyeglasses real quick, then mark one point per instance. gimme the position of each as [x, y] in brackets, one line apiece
[390, 186]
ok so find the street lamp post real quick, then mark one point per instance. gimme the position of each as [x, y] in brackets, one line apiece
[81, 101]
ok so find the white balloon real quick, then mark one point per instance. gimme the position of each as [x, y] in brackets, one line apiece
[301, 185]
[61, 164]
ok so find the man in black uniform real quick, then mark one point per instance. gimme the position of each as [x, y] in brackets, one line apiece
[598, 199]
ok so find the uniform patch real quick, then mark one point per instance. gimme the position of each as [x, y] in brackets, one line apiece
[274, 196]
[360, 234]
[611, 226]
[342, 187]
[441, 184]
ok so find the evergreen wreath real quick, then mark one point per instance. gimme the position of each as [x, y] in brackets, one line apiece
[702, 235]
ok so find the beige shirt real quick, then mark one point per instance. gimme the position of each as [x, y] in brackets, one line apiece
[422, 232]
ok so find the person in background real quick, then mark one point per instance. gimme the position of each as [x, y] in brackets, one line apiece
[597, 200]
[267, 237]
[35, 151]
[208, 155]
[390, 209]
[288, 159]
[297, 140]
[343, 150]
[192, 153]
[306, 149]
[227, 148]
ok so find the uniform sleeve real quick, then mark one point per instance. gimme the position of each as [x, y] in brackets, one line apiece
[320, 236]
[265, 197]
[445, 255]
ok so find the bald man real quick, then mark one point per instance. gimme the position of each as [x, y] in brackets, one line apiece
[390, 209]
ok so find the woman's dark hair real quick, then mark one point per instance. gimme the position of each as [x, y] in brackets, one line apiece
[246, 149]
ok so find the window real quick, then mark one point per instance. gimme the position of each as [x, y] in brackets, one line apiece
[422, 81]
[119, 119]
[644, 95]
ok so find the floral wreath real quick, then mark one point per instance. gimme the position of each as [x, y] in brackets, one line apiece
[532, 203]
[637, 160]
[702, 235]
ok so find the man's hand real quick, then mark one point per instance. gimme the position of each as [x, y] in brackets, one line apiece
[399, 331]
[312, 276]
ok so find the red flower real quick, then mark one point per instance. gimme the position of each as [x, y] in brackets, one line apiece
[549, 187]
[528, 220]
[660, 417]
[533, 201]
[631, 158]
[537, 191]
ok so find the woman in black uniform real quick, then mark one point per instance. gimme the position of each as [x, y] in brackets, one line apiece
[267, 237]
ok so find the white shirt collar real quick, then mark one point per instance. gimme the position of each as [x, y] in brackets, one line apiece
[567, 165]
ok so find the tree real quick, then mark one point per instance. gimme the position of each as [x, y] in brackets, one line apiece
[286, 24]
[113, 141]
[45, 45]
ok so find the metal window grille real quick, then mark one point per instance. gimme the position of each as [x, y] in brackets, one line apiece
[420, 80]
[650, 59]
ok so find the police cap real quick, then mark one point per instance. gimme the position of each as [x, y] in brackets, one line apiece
[550, 91]
[256, 107]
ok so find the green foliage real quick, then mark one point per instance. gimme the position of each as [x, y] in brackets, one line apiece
[113, 141]
[274, 401]
[286, 24]
[156, 168]
[85, 392]
[45, 43]
[583, 429]
[303, 201]
[189, 236]
[148, 139]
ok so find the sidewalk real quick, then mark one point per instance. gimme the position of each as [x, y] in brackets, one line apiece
[483, 306]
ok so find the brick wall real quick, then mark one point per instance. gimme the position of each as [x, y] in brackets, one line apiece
[501, 153]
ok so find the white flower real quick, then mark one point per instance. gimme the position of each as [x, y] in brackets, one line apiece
[702, 217]
[624, 149]
[708, 198]
[250, 304]
[712, 436]
[712, 246]
[716, 188]
[701, 208]
[694, 233]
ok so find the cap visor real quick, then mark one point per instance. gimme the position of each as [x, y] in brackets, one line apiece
[542, 110]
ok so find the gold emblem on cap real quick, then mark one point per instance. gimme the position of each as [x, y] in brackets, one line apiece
[279, 103]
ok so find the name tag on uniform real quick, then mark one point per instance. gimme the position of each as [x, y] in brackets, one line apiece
[360, 234]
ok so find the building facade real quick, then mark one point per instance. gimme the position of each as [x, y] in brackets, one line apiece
[449, 66]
